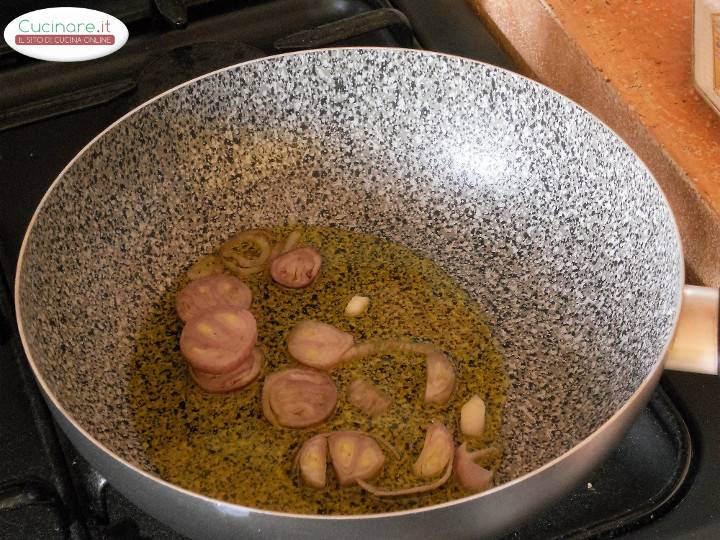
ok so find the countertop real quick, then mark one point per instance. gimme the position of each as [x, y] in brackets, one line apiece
[630, 63]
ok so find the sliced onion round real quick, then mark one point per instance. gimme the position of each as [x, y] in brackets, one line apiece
[298, 397]
[296, 268]
[210, 291]
[219, 339]
[238, 378]
[318, 345]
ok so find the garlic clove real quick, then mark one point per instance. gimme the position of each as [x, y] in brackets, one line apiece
[472, 417]
[357, 306]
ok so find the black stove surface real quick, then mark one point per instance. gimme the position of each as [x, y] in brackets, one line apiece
[660, 482]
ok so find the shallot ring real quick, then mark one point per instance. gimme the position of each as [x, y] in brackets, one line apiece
[237, 262]
[374, 347]
[325, 435]
[269, 391]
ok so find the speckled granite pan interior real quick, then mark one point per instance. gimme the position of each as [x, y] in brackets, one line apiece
[535, 208]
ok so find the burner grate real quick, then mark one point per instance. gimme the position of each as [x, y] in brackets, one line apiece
[35, 91]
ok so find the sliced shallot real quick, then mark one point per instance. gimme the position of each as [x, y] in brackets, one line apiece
[238, 378]
[296, 268]
[317, 344]
[387, 346]
[380, 492]
[472, 477]
[368, 398]
[298, 397]
[472, 417]
[440, 379]
[219, 339]
[437, 451]
[355, 456]
[313, 461]
[237, 252]
[210, 291]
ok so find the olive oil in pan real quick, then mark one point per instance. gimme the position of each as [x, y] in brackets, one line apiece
[223, 447]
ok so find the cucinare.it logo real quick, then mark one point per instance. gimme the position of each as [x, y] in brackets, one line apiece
[66, 34]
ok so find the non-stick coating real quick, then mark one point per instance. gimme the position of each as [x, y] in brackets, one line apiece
[531, 204]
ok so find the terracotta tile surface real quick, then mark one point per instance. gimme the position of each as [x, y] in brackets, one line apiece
[630, 62]
[645, 49]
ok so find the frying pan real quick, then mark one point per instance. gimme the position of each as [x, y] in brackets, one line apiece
[538, 210]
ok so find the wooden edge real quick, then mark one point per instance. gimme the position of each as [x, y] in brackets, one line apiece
[528, 29]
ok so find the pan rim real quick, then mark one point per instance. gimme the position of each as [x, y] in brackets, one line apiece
[587, 441]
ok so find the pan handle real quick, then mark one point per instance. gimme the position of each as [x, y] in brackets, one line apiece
[696, 345]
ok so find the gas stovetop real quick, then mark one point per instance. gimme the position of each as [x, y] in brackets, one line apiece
[660, 482]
